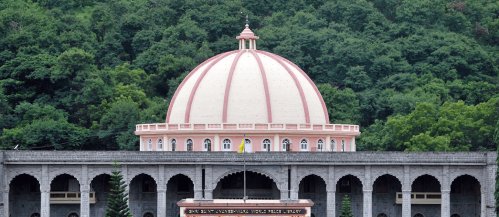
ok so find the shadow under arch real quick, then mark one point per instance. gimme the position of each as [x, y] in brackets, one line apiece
[313, 187]
[178, 187]
[385, 189]
[350, 185]
[24, 195]
[143, 194]
[429, 187]
[254, 170]
[465, 196]
[65, 186]
[100, 187]
[258, 186]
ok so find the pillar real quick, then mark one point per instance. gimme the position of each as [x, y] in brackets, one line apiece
[294, 183]
[6, 201]
[330, 191]
[284, 183]
[85, 192]
[161, 192]
[198, 190]
[209, 185]
[406, 193]
[483, 199]
[45, 193]
[277, 144]
[445, 191]
[368, 192]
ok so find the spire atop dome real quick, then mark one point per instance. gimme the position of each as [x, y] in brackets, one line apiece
[247, 34]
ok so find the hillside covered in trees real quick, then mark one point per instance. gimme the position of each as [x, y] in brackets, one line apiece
[417, 75]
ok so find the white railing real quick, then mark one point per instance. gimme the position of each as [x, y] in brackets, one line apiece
[246, 127]
[66, 197]
[421, 198]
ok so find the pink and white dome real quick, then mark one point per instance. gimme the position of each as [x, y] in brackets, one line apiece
[247, 86]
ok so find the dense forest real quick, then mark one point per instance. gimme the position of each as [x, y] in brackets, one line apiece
[417, 75]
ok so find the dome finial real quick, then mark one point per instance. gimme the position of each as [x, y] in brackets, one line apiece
[247, 36]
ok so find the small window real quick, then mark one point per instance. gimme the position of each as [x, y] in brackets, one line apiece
[188, 144]
[266, 144]
[343, 145]
[174, 144]
[286, 145]
[207, 145]
[333, 145]
[160, 144]
[226, 144]
[149, 144]
[320, 145]
[73, 214]
[304, 145]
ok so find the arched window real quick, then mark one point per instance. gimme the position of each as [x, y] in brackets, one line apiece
[286, 145]
[226, 144]
[333, 144]
[247, 145]
[188, 144]
[35, 214]
[419, 215]
[148, 214]
[266, 144]
[174, 144]
[207, 145]
[382, 215]
[304, 145]
[149, 144]
[320, 145]
[455, 215]
[160, 144]
[342, 144]
[73, 214]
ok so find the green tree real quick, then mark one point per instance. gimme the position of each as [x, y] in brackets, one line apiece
[346, 207]
[117, 201]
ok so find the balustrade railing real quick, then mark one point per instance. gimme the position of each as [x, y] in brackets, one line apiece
[421, 198]
[67, 197]
[246, 127]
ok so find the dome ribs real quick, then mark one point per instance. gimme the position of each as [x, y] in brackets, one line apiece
[172, 101]
[265, 85]
[228, 85]
[280, 60]
[324, 108]
[196, 85]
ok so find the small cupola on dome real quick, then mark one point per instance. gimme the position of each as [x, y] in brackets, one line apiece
[248, 35]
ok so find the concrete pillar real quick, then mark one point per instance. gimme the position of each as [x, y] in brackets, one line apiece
[406, 193]
[198, 190]
[45, 193]
[209, 185]
[277, 143]
[331, 203]
[284, 183]
[161, 203]
[294, 183]
[85, 201]
[368, 203]
[445, 206]
[483, 198]
[6, 201]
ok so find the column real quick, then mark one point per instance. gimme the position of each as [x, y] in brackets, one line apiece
[161, 203]
[85, 193]
[208, 178]
[6, 201]
[277, 143]
[161, 192]
[327, 144]
[198, 191]
[216, 143]
[368, 193]
[284, 183]
[445, 209]
[483, 199]
[294, 183]
[45, 193]
[406, 193]
[85, 200]
[330, 192]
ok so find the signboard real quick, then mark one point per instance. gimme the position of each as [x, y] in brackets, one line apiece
[266, 212]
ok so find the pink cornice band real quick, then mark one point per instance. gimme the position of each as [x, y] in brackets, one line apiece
[324, 108]
[172, 101]
[228, 84]
[265, 85]
[196, 85]
[280, 60]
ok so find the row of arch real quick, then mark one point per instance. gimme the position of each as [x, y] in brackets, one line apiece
[227, 144]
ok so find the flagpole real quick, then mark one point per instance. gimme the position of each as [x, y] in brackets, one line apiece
[244, 168]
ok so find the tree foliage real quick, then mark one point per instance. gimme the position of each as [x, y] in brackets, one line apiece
[117, 201]
[346, 207]
[379, 63]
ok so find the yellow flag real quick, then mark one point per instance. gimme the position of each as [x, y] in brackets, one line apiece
[241, 147]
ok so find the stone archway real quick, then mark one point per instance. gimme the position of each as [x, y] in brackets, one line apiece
[178, 187]
[313, 187]
[465, 196]
[143, 194]
[385, 190]
[352, 186]
[100, 187]
[24, 195]
[64, 195]
[426, 193]
[258, 186]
